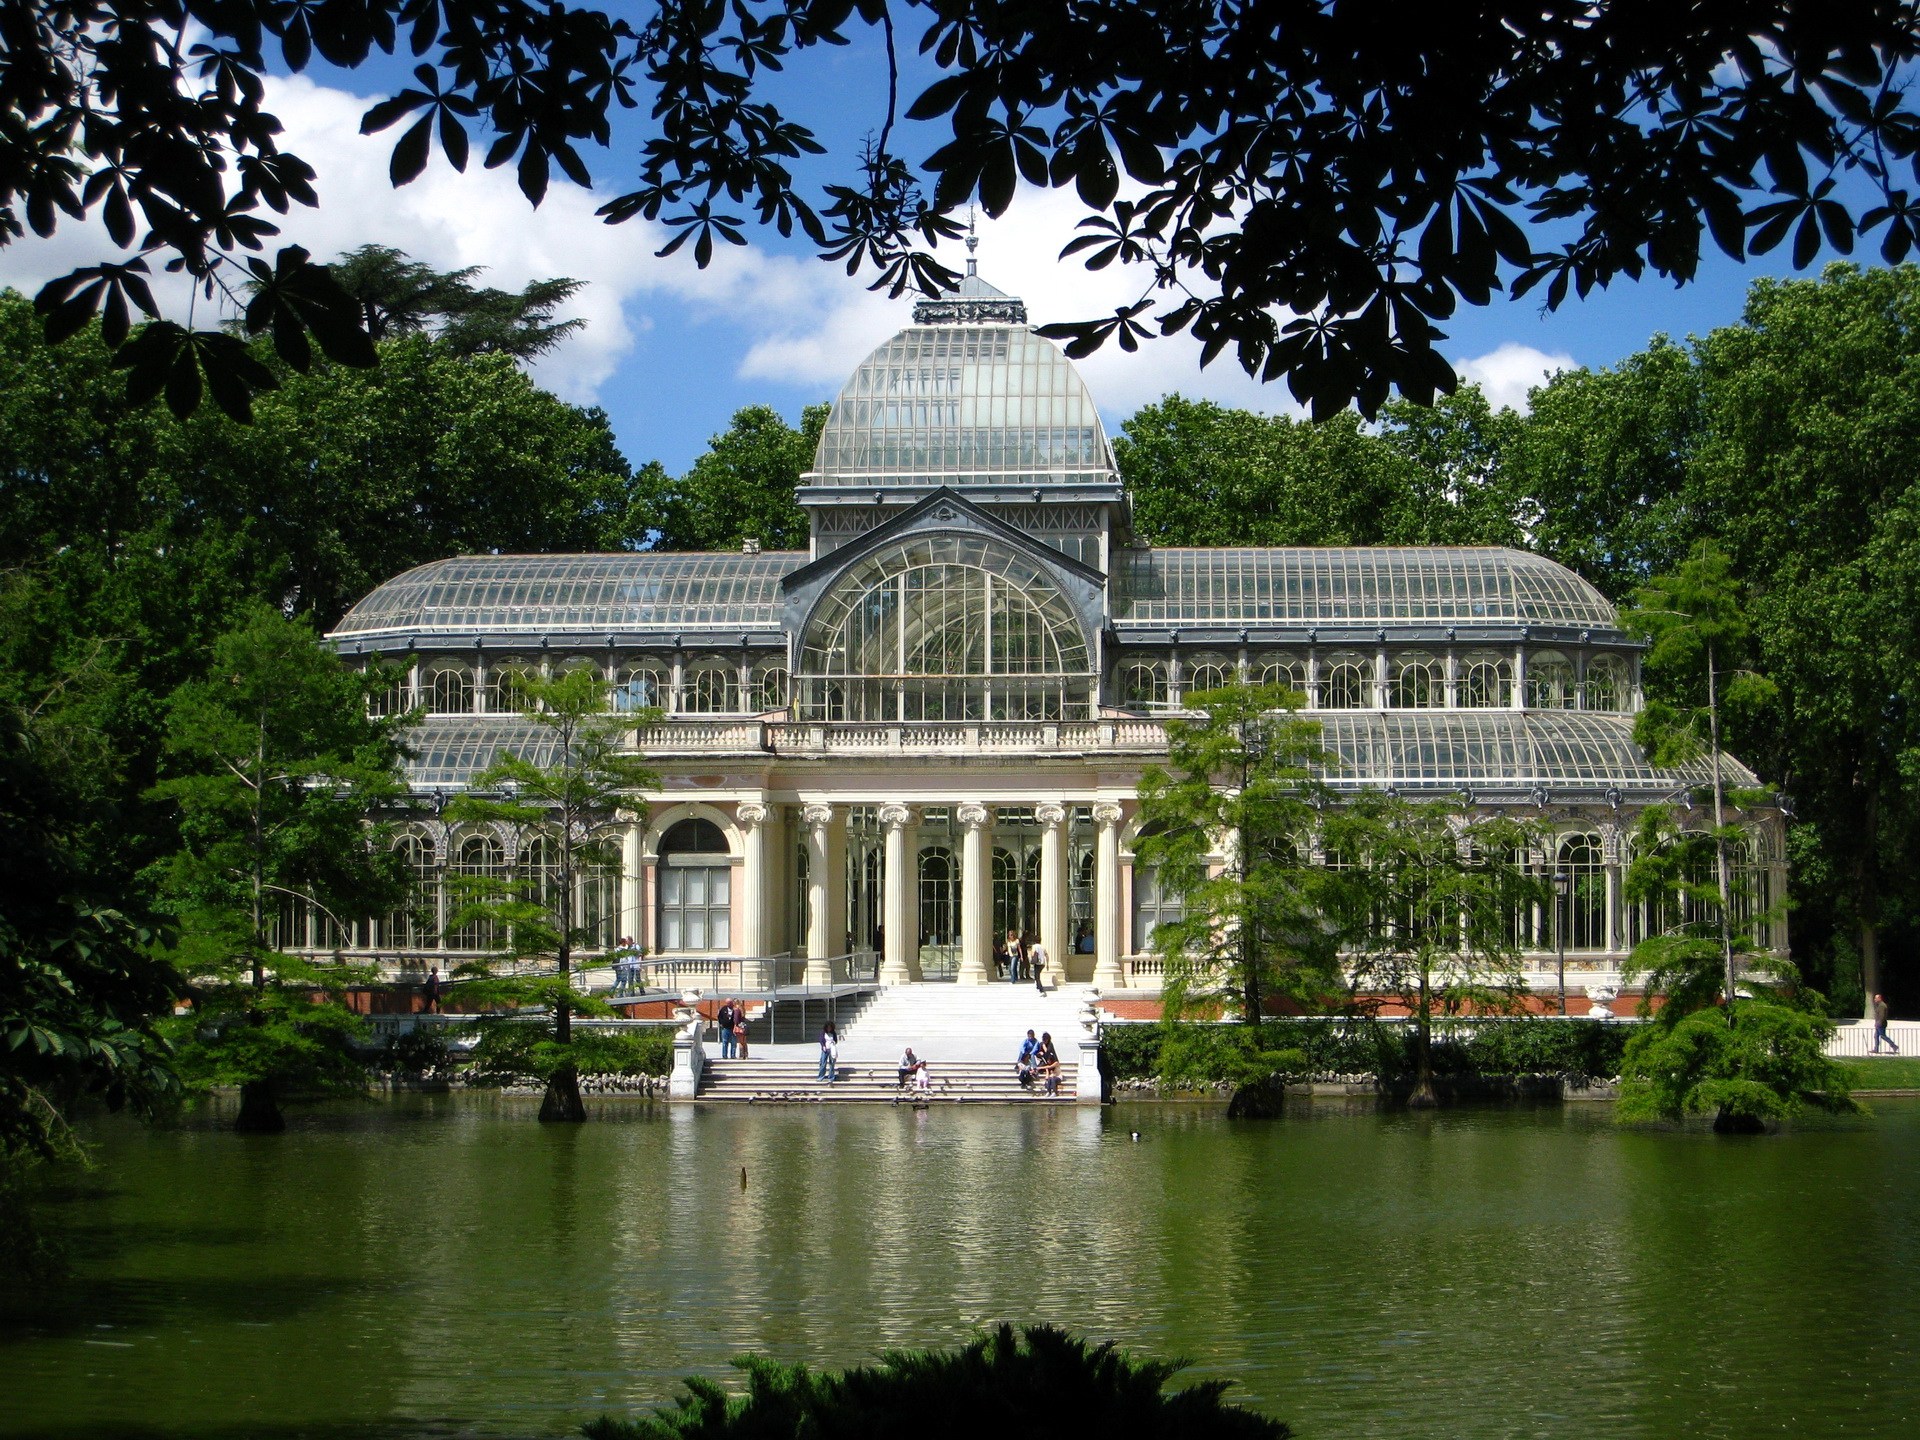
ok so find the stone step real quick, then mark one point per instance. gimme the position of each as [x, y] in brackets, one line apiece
[957, 1082]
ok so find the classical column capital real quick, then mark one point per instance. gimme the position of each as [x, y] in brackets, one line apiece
[972, 815]
[896, 817]
[1050, 814]
[751, 813]
[1107, 813]
[817, 816]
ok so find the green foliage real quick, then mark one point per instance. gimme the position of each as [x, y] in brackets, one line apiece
[1243, 776]
[742, 488]
[398, 296]
[294, 1032]
[1756, 1062]
[1198, 473]
[1041, 1381]
[513, 1048]
[1882, 1072]
[1578, 1052]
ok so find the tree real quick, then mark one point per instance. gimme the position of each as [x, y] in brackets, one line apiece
[277, 768]
[1432, 902]
[1769, 1065]
[1054, 1382]
[1198, 473]
[740, 489]
[398, 296]
[565, 806]
[1317, 195]
[1245, 778]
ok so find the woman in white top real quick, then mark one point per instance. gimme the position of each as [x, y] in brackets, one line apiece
[829, 1053]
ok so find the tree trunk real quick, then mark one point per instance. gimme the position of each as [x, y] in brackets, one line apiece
[1423, 1097]
[259, 1110]
[562, 1102]
[1727, 1123]
[1730, 980]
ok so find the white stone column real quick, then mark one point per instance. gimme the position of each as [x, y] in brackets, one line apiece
[1053, 888]
[633, 884]
[820, 921]
[754, 880]
[1519, 677]
[976, 893]
[900, 939]
[1106, 898]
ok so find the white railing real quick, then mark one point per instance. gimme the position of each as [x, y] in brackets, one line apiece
[1855, 1037]
[680, 736]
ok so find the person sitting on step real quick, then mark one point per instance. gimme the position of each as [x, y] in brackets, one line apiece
[910, 1065]
[1025, 1065]
[1047, 1060]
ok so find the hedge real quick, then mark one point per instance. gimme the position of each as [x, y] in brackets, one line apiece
[1575, 1051]
[510, 1050]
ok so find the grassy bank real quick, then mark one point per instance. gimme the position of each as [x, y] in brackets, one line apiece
[1883, 1072]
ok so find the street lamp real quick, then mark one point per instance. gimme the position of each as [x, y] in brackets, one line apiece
[1562, 887]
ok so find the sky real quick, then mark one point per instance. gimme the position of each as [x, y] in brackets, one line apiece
[670, 351]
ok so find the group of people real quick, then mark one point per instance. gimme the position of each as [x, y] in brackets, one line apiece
[731, 1019]
[1021, 957]
[1039, 1062]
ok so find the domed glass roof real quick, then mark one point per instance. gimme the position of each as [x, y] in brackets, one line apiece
[960, 401]
[1329, 586]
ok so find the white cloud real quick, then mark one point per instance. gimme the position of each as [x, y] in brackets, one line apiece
[1508, 372]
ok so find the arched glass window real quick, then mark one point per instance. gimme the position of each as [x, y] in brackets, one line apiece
[1153, 906]
[1208, 672]
[1583, 910]
[1346, 683]
[1016, 891]
[507, 682]
[939, 897]
[1550, 681]
[1607, 683]
[695, 889]
[945, 627]
[711, 687]
[1486, 681]
[1277, 669]
[412, 926]
[639, 686]
[448, 689]
[1143, 683]
[769, 686]
[479, 862]
[1419, 682]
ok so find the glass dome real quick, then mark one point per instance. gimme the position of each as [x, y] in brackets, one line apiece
[959, 402]
[1465, 586]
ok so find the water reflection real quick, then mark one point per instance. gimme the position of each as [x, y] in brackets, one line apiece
[392, 1269]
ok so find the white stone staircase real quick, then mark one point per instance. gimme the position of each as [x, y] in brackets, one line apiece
[969, 1035]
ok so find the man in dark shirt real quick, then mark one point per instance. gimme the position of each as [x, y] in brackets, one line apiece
[725, 1020]
[1880, 1035]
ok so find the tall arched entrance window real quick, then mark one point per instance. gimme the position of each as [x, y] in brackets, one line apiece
[944, 627]
[695, 889]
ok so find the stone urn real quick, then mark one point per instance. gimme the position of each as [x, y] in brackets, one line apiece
[1602, 998]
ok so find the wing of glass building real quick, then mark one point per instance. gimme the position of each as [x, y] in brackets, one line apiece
[931, 725]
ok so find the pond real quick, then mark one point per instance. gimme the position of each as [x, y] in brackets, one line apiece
[442, 1265]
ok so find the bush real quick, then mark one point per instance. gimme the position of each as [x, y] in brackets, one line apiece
[510, 1050]
[1186, 1053]
[1768, 1064]
[417, 1052]
[1045, 1382]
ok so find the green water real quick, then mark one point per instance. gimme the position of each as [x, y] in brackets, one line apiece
[444, 1265]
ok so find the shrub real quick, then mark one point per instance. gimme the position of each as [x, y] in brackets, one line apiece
[511, 1049]
[1043, 1382]
[1768, 1064]
[1575, 1051]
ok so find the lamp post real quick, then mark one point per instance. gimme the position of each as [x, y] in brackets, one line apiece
[1562, 886]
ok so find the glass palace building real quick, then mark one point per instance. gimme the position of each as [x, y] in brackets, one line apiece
[929, 728]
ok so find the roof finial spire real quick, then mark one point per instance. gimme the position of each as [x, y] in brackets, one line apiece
[973, 244]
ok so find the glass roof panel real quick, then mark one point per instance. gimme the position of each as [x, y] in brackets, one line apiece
[1494, 749]
[539, 593]
[1456, 585]
[957, 404]
[448, 749]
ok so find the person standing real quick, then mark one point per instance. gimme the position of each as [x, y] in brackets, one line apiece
[740, 1029]
[725, 1021]
[1015, 953]
[1000, 957]
[1880, 1035]
[430, 992]
[829, 1054]
[1038, 960]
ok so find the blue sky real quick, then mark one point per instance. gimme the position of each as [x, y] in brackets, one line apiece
[670, 352]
